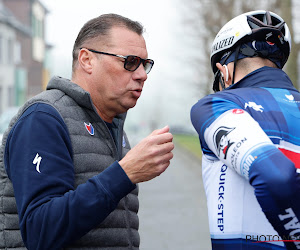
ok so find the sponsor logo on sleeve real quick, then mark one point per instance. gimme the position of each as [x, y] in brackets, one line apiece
[246, 165]
[221, 141]
[37, 161]
[238, 111]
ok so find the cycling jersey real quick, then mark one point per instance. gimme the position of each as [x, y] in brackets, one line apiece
[250, 139]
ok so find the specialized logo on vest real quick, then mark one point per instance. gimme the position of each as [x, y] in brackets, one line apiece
[221, 141]
[89, 127]
[37, 160]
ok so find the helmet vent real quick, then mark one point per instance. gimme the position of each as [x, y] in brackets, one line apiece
[253, 25]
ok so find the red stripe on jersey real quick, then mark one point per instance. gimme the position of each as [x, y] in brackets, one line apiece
[294, 157]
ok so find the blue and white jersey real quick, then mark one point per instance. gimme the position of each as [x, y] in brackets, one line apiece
[250, 138]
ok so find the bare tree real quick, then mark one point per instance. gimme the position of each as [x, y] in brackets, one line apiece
[203, 33]
[291, 67]
[213, 15]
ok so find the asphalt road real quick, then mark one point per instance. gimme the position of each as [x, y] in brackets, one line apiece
[173, 212]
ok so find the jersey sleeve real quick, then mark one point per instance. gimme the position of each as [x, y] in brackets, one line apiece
[205, 112]
[236, 139]
[38, 160]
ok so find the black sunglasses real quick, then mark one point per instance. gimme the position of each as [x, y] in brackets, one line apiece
[131, 62]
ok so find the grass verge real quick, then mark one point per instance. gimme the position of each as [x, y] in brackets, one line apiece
[190, 143]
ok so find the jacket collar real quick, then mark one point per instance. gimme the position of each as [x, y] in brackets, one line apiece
[265, 77]
[82, 97]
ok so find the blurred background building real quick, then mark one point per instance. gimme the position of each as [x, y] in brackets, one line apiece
[23, 51]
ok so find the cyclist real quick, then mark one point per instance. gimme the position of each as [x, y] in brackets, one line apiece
[250, 137]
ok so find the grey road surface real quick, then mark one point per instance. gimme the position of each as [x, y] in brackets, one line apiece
[173, 212]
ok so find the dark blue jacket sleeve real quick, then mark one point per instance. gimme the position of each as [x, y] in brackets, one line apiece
[38, 160]
[277, 189]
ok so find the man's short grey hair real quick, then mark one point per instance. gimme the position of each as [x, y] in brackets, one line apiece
[99, 28]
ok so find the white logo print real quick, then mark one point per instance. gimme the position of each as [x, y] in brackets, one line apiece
[37, 160]
[124, 142]
[290, 97]
[254, 106]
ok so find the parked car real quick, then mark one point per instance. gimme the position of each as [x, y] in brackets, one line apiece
[5, 118]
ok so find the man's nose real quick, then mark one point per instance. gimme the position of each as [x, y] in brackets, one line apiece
[140, 73]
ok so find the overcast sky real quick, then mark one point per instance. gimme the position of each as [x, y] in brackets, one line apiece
[167, 96]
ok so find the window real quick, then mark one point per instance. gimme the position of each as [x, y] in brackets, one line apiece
[1, 49]
[1, 98]
[11, 96]
[10, 51]
[17, 53]
[37, 27]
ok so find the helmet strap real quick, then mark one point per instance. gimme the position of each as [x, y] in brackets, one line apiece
[235, 60]
[222, 83]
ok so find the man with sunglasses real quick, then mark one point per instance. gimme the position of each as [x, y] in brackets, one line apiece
[68, 175]
[250, 137]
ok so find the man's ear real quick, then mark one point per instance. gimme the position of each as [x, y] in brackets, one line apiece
[225, 74]
[85, 60]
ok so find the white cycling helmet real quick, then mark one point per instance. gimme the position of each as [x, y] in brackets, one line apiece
[259, 25]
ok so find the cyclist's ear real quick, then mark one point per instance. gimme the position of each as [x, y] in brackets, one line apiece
[226, 74]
